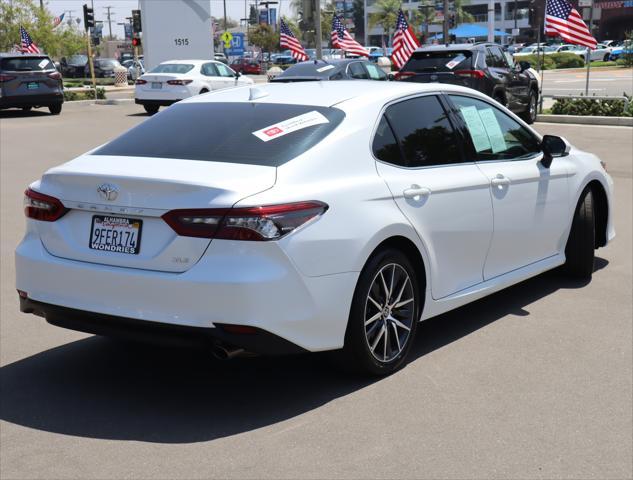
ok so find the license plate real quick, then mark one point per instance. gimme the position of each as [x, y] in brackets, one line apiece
[116, 234]
[32, 85]
[157, 85]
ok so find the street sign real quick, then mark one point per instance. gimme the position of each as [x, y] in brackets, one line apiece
[226, 37]
[584, 3]
[236, 48]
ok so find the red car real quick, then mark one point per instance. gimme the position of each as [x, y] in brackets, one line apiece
[247, 65]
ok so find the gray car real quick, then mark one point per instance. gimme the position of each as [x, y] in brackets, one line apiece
[28, 81]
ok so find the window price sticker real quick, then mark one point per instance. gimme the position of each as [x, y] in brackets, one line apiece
[291, 125]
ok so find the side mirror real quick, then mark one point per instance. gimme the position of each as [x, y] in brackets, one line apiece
[524, 66]
[553, 146]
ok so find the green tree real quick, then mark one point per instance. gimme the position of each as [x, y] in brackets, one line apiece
[253, 16]
[386, 16]
[39, 23]
[421, 19]
[461, 15]
[359, 18]
[264, 37]
[292, 25]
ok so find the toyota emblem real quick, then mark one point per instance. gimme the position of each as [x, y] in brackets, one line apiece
[108, 191]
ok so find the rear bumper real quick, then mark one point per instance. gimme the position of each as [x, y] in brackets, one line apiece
[43, 100]
[235, 283]
[257, 341]
[157, 103]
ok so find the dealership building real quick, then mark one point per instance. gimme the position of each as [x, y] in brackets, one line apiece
[611, 18]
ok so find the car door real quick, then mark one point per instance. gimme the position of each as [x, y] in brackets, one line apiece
[445, 199]
[500, 73]
[530, 202]
[227, 75]
[211, 77]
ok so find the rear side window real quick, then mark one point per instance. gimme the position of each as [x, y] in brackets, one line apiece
[385, 145]
[439, 61]
[173, 68]
[424, 132]
[356, 70]
[247, 133]
[26, 64]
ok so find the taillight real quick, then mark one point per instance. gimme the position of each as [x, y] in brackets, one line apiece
[179, 82]
[470, 73]
[403, 75]
[140, 81]
[42, 207]
[269, 222]
[6, 78]
[55, 75]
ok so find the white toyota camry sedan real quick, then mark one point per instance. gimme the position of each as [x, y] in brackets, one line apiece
[302, 217]
[176, 80]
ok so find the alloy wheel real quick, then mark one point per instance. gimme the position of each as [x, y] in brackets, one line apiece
[389, 312]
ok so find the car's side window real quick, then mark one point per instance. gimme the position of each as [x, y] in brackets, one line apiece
[500, 57]
[494, 134]
[494, 59]
[375, 73]
[224, 70]
[208, 70]
[357, 71]
[424, 131]
[385, 146]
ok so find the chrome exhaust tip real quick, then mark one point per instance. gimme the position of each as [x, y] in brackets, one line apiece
[225, 353]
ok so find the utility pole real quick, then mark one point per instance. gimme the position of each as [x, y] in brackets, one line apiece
[445, 26]
[109, 15]
[317, 28]
[491, 20]
[588, 49]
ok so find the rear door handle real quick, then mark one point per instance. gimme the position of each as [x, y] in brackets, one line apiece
[500, 181]
[415, 192]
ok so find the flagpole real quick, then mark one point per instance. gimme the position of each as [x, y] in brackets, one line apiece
[588, 49]
[317, 27]
[541, 71]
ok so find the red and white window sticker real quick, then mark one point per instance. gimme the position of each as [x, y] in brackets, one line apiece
[291, 125]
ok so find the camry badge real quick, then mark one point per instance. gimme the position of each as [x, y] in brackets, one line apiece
[108, 191]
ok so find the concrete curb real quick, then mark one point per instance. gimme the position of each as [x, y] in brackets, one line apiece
[586, 120]
[114, 101]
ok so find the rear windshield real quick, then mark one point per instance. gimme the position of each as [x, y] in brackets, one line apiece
[108, 62]
[247, 133]
[440, 61]
[310, 69]
[26, 64]
[77, 59]
[173, 68]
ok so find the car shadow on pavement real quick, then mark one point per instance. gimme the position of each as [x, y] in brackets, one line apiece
[107, 389]
[24, 113]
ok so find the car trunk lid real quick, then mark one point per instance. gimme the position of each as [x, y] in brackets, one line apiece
[132, 193]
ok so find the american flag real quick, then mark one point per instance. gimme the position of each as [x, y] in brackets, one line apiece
[404, 42]
[564, 20]
[58, 20]
[288, 40]
[27, 43]
[342, 39]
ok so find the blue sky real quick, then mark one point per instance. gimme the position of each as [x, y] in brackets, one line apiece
[123, 8]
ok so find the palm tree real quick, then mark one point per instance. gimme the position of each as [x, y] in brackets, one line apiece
[386, 15]
[461, 15]
[421, 18]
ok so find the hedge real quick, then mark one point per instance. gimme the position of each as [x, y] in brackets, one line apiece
[88, 94]
[555, 60]
[592, 107]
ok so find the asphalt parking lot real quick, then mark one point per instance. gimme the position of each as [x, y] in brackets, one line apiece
[533, 382]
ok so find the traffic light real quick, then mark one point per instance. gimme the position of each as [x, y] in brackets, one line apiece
[136, 42]
[89, 17]
[136, 21]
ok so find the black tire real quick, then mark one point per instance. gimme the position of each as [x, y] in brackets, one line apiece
[55, 109]
[357, 354]
[151, 109]
[579, 251]
[606, 58]
[499, 98]
[204, 90]
[529, 115]
[26, 109]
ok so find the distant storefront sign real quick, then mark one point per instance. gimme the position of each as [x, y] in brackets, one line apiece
[616, 4]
